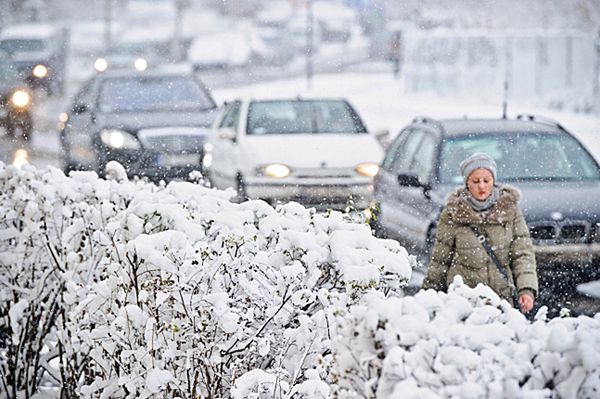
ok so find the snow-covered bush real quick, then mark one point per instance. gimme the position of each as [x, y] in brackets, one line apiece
[174, 291]
[463, 344]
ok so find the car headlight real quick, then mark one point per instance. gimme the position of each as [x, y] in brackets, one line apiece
[276, 170]
[20, 99]
[40, 71]
[100, 65]
[20, 158]
[140, 64]
[119, 139]
[368, 169]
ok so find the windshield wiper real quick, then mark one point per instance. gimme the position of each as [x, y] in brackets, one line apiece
[540, 178]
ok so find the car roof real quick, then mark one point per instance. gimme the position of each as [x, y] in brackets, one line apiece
[29, 31]
[182, 70]
[461, 127]
[273, 98]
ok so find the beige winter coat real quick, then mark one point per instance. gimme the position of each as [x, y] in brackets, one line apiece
[458, 252]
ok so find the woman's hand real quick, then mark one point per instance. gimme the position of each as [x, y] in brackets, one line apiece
[525, 302]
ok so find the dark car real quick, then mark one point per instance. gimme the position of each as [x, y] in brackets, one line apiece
[154, 123]
[39, 52]
[558, 178]
[15, 102]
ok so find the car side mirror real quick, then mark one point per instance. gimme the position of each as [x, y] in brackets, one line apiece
[80, 109]
[383, 137]
[412, 180]
[227, 133]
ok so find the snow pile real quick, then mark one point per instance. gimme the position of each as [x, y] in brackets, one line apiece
[466, 344]
[174, 291]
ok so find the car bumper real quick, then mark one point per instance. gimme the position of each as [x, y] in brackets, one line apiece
[318, 193]
[568, 253]
[157, 166]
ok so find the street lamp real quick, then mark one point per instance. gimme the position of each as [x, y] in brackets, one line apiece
[309, 43]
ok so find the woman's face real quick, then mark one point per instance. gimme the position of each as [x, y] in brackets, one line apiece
[480, 183]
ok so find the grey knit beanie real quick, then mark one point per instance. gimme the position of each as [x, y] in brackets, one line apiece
[476, 161]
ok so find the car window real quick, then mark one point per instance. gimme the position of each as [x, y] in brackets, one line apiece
[424, 157]
[521, 157]
[394, 149]
[303, 116]
[232, 116]
[15, 46]
[141, 94]
[406, 152]
[86, 94]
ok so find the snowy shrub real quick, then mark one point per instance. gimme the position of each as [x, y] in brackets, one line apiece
[463, 344]
[140, 290]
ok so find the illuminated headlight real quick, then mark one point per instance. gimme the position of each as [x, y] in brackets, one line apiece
[21, 99]
[101, 65]
[20, 158]
[40, 71]
[119, 139]
[140, 64]
[367, 169]
[276, 170]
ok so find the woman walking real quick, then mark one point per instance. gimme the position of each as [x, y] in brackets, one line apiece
[482, 236]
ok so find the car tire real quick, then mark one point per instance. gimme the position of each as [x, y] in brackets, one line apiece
[377, 227]
[429, 243]
[240, 188]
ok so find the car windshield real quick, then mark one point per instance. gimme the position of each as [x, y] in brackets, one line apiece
[303, 116]
[521, 157]
[12, 46]
[129, 49]
[142, 94]
[8, 72]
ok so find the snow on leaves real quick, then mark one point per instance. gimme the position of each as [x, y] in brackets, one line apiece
[467, 343]
[174, 291]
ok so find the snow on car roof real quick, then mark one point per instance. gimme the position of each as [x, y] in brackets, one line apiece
[32, 31]
[491, 126]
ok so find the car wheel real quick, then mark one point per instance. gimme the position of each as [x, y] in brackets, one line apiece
[377, 227]
[240, 188]
[26, 130]
[429, 243]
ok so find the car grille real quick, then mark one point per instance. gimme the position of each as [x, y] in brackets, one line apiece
[175, 140]
[547, 233]
[324, 173]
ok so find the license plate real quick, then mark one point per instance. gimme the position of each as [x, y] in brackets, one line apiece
[170, 160]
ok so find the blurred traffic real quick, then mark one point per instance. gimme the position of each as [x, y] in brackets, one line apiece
[147, 83]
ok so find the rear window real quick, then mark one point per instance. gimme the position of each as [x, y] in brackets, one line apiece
[521, 157]
[303, 116]
[152, 94]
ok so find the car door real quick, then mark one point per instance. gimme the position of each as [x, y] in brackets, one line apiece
[416, 203]
[79, 128]
[404, 209]
[224, 167]
[388, 192]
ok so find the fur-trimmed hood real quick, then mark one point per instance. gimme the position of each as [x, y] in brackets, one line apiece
[504, 210]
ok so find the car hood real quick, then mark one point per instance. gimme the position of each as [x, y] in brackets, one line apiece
[573, 200]
[543, 201]
[134, 121]
[315, 150]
